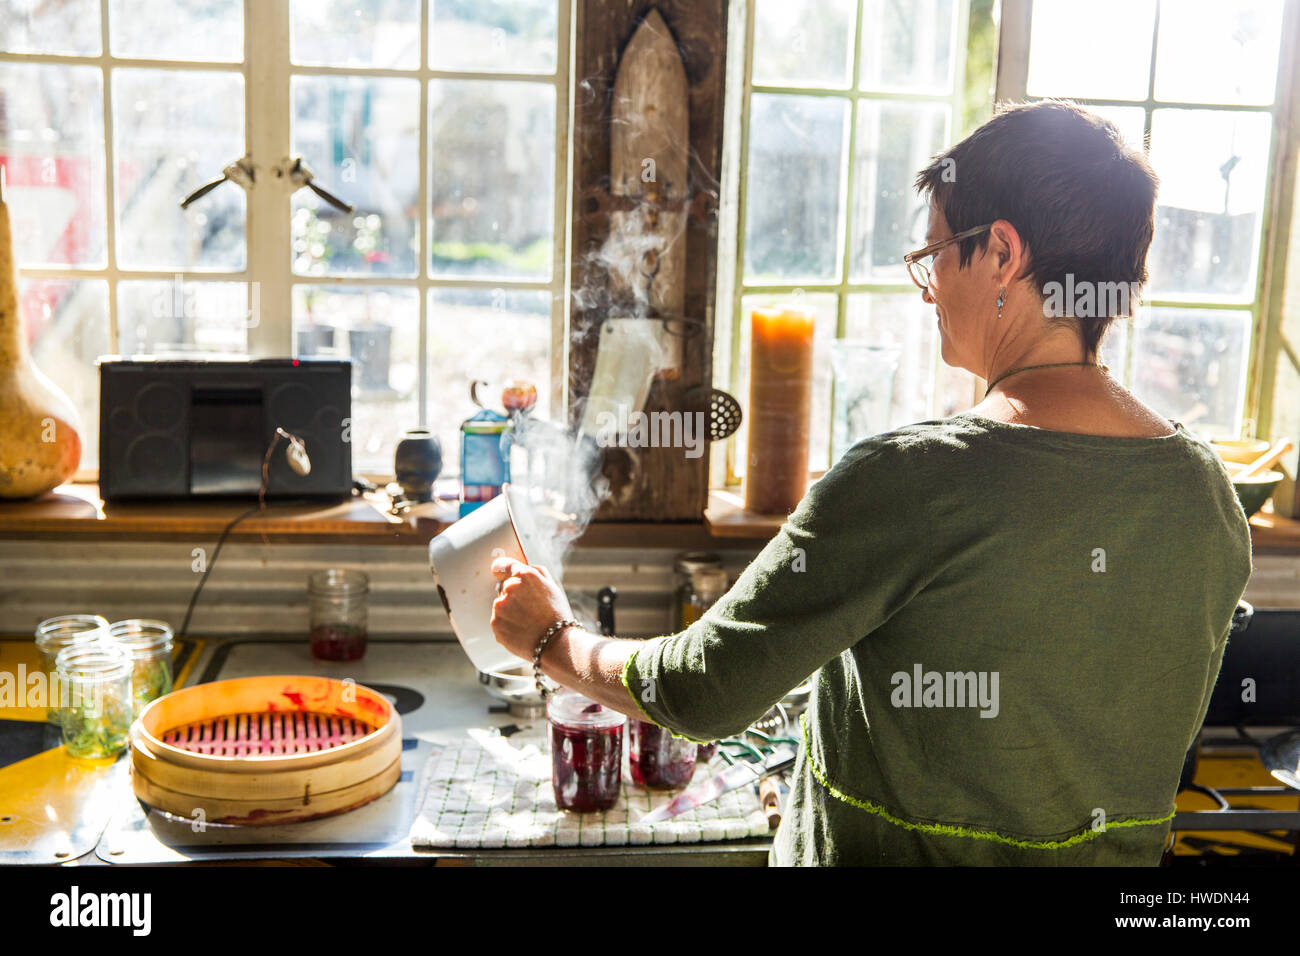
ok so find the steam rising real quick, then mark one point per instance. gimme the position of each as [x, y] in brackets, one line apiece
[558, 468]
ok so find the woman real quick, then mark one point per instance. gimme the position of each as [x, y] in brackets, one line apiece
[1019, 612]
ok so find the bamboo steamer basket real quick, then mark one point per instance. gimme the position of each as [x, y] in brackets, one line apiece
[266, 750]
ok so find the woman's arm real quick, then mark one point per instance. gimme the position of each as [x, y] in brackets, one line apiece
[857, 549]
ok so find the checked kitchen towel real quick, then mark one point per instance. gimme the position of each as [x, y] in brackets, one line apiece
[493, 791]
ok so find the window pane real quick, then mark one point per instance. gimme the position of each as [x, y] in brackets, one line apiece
[177, 29]
[182, 316]
[908, 46]
[489, 334]
[67, 324]
[1101, 51]
[1212, 166]
[38, 26]
[804, 42]
[956, 391]
[492, 184]
[366, 33]
[379, 329]
[1238, 42]
[792, 210]
[362, 138]
[819, 432]
[1129, 120]
[52, 149]
[889, 218]
[173, 131]
[904, 322]
[1190, 365]
[1114, 349]
[504, 36]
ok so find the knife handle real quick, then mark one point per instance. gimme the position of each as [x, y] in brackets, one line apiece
[769, 796]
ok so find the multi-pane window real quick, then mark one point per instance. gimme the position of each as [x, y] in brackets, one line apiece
[442, 123]
[844, 101]
[1195, 80]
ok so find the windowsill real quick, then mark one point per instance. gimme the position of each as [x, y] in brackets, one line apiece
[75, 512]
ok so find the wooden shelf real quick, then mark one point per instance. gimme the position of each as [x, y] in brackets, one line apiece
[727, 518]
[75, 511]
[1274, 534]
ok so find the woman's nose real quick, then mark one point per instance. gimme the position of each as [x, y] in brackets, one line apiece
[926, 296]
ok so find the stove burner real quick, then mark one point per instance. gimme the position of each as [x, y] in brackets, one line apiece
[403, 698]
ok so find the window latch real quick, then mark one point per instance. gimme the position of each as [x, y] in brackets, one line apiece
[299, 174]
[240, 172]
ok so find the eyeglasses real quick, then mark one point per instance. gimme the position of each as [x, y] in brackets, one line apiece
[919, 271]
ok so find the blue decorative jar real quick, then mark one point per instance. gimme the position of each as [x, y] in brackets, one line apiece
[417, 463]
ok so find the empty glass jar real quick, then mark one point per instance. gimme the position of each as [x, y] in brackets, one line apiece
[339, 601]
[685, 612]
[57, 633]
[586, 752]
[150, 646]
[95, 692]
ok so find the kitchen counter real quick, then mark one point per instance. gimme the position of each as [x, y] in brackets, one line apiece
[434, 688]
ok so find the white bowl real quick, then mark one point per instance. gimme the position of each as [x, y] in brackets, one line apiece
[461, 560]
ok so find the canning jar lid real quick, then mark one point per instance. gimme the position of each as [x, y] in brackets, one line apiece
[338, 581]
[710, 580]
[693, 561]
[142, 636]
[56, 633]
[570, 709]
[99, 661]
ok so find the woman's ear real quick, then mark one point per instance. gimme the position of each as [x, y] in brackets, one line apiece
[1011, 255]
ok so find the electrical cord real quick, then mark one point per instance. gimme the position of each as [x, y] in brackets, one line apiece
[216, 553]
[296, 448]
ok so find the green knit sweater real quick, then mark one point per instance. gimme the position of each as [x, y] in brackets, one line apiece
[1015, 632]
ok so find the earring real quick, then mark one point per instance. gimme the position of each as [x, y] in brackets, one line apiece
[1002, 297]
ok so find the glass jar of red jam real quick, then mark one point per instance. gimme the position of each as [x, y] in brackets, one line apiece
[586, 752]
[339, 602]
[656, 758]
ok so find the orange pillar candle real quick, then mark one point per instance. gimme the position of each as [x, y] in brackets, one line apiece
[780, 405]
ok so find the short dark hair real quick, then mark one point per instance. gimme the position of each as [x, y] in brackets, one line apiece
[1082, 200]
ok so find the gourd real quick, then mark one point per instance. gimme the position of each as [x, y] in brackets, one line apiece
[40, 443]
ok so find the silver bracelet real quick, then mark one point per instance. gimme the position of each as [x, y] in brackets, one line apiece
[541, 646]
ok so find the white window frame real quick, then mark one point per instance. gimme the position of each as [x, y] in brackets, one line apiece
[732, 287]
[268, 272]
[1264, 304]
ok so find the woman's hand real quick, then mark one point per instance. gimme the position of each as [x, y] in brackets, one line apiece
[529, 601]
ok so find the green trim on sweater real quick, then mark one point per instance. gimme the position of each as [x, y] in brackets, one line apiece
[955, 830]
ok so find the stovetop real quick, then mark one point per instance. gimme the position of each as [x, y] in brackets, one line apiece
[436, 692]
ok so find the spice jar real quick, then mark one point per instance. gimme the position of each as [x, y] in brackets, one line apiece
[150, 645]
[95, 690]
[656, 758]
[57, 633]
[339, 600]
[684, 611]
[586, 741]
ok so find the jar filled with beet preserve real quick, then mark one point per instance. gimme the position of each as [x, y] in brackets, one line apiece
[339, 602]
[586, 752]
[656, 758]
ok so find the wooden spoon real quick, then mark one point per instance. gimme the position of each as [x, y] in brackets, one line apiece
[1265, 461]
